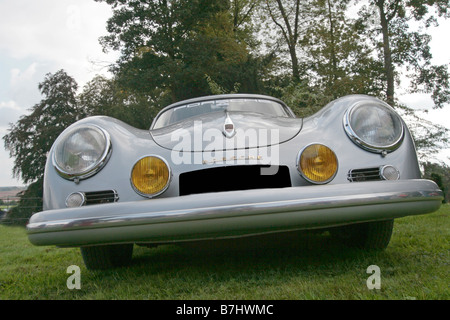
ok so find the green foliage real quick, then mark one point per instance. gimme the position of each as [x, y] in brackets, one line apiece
[30, 202]
[217, 89]
[302, 99]
[338, 59]
[439, 173]
[103, 96]
[171, 45]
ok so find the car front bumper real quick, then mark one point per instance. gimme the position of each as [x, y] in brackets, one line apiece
[233, 214]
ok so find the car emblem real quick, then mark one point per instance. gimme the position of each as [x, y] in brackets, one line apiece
[228, 128]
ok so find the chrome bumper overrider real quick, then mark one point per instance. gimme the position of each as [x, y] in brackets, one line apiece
[232, 214]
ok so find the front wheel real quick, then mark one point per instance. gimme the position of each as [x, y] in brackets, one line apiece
[369, 235]
[107, 256]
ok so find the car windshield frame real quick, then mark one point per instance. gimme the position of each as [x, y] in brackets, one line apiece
[184, 111]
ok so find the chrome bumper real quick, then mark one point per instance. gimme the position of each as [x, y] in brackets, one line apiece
[233, 214]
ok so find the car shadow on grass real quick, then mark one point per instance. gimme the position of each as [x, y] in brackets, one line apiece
[292, 250]
[294, 265]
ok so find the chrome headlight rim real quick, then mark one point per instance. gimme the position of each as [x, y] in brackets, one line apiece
[166, 186]
[364, 144]
[92, 170]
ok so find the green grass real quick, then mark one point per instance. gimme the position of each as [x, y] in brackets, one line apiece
[414, 266]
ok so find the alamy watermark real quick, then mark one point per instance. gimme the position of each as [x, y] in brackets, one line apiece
[374, 281]
[74, 281]
[211, 146]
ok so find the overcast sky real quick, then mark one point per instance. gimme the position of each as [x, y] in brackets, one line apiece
[38, 37]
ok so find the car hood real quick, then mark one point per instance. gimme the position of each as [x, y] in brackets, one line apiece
[225, 131]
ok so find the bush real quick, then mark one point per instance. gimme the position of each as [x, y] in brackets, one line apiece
[30, 202]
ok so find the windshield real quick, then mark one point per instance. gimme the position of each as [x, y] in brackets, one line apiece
[186, 111]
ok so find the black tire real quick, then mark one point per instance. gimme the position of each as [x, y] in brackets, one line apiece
[369, 235]
[107, 256]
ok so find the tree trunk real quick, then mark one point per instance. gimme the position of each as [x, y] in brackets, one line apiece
[291, 36]
[388, 67]
[333, 58]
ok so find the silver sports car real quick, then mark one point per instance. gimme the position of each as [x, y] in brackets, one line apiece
[229, 166]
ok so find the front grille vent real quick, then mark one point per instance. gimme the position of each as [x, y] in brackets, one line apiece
[104, 196]
[366, 174]
[233, 178]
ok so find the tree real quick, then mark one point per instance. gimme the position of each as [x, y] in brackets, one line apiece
[402, 48]
[30, 139]
[170, 45]
[287, 17]
[333, 47]
[242, 14]
[328, 52]
[102, 96]
[439, 173]
[30, 201]
[429, 138]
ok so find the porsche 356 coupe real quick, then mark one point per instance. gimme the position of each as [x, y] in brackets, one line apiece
[230, 166]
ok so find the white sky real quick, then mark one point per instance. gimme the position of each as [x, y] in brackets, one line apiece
[40, 37]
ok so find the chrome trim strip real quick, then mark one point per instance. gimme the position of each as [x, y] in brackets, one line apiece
[163, 212]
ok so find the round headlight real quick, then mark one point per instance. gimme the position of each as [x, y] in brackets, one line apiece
[81, 152]
[150, 176]
[317, 163]
[374, 126]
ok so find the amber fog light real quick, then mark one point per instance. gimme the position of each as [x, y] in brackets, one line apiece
[317, 163]
[150, 176]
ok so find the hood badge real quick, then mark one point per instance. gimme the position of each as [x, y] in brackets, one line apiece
[228, 128]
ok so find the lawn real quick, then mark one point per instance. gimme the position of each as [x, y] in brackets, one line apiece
[416, 265]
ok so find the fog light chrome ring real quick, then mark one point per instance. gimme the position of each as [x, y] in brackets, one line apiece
[75, 199]
[389, 172]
